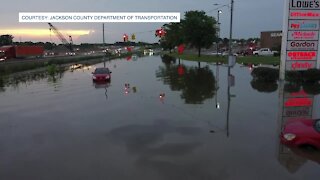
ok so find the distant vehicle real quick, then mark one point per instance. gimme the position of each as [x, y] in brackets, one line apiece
[303, 133]
[101, 74]
[226, 53]
[9, 52]
[216, 53]
[264, 52]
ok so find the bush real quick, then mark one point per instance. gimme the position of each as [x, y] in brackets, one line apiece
[266, 87]
[265, 74]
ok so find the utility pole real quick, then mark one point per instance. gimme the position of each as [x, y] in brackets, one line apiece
[104, 46]
[218, 31]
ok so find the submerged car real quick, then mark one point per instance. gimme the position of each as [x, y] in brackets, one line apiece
[302, 133]
[101, 74]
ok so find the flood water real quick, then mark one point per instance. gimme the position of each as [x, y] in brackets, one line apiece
[204, 126]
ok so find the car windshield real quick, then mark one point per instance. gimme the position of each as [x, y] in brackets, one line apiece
[102, 71]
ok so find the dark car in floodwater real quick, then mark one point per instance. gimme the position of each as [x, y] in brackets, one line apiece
[304, 133]
[101, 74]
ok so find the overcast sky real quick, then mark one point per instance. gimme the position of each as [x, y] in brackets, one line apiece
[250, 17]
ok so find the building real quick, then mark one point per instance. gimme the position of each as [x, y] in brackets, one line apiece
[271, 39]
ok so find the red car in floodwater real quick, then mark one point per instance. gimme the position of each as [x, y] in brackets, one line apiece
[301, 133]
[101, 74]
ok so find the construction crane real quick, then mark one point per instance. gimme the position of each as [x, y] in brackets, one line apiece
[64, 41]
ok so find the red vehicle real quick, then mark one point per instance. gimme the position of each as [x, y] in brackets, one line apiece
[304, 133]
[101, 74]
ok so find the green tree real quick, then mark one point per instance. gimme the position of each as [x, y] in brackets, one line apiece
[6, 40]
[199, 30]
[174, 36]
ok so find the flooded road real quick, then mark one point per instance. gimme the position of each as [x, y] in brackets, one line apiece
[157, 119]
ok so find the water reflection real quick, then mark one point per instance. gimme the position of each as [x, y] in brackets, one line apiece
[102, 85]
[53, 74]
[2, 89]
[149, 143]
[298, 114]
[196, 84]
[15, 81]
[264, 79]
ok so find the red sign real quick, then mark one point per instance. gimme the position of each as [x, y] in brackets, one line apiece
[298, 102]
[302, 55]
[303, 35]
[304, 14]
[181, 48]
[300, 65]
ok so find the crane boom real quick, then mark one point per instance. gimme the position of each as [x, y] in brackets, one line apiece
[67, 44]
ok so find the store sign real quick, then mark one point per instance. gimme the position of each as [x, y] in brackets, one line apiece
[276, 35]
[304, 4]
[303, 25]
[304, 14]
[300, 65]
[302, 45]
[302, 55]
[300, 42]
[303, 35]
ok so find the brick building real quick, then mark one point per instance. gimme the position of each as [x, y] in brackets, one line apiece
[271, 39]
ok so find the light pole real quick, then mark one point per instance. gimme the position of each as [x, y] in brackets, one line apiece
[231, 22]
[218, 30]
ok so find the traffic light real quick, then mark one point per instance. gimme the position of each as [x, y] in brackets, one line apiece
[133, 37]
[160, 33]
[125, 38]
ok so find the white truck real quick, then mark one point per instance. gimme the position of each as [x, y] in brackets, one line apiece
[264, 52]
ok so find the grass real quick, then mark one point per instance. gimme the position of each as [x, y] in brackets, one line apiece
[268, 60]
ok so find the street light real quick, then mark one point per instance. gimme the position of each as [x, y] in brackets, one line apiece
[231, 58]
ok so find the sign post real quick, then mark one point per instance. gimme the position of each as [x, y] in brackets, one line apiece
[300, 41]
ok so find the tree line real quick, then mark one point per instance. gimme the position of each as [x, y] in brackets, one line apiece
[196, 30]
